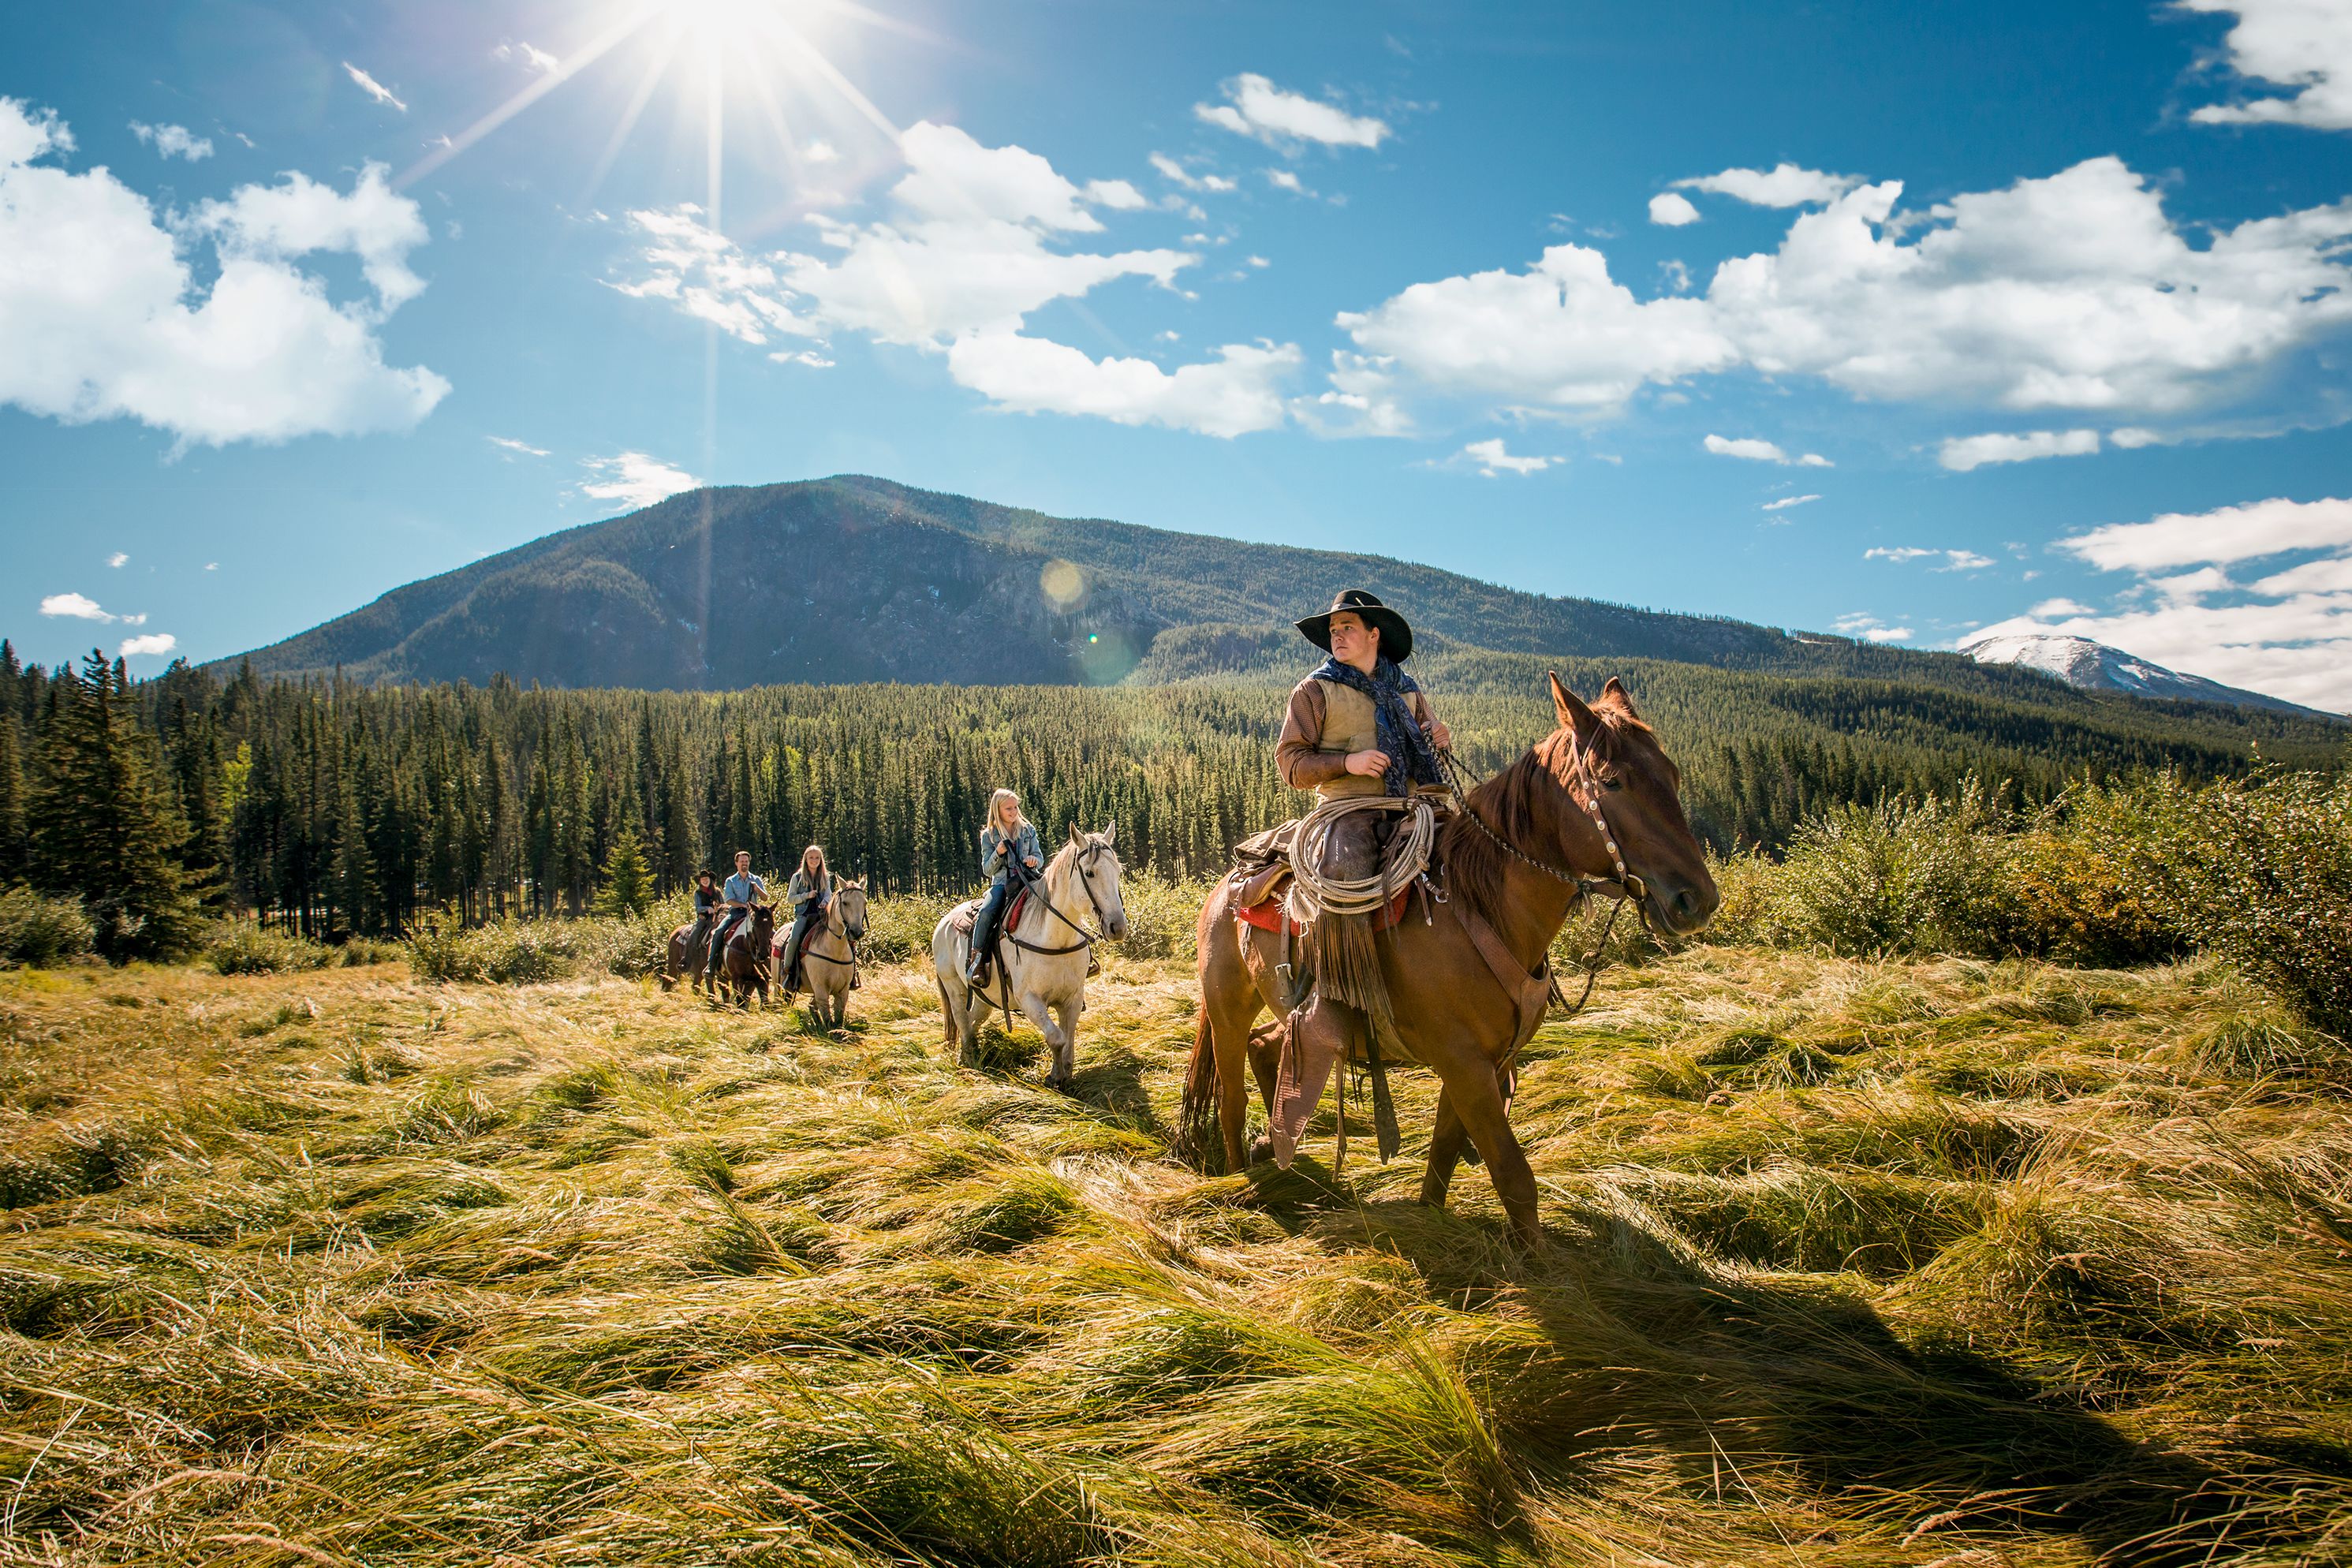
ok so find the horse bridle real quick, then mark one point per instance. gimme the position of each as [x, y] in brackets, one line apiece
[1086, 880]
[1627, 884]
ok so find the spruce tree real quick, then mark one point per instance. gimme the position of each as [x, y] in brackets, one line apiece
[103, 828]
[12, 799]
[628, 888]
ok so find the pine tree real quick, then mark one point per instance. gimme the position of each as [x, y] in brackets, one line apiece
[104, 830]
[628, 888]
[12, 797]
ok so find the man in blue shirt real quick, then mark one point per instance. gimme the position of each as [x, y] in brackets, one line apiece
[742, 890]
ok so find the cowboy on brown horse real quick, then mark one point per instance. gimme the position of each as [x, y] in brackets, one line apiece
[1358, 728]
[1589, 811]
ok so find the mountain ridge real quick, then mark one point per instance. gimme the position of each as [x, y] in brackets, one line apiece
[2090, 666]
[854, 578]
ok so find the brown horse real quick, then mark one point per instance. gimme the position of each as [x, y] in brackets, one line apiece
[744, 968]
[1467, 989]
[686, 958]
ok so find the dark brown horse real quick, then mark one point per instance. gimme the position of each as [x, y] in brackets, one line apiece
[1466, 990]
[686, 958]
[743, 968]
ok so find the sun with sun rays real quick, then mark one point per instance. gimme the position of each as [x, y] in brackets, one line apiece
[714, 48]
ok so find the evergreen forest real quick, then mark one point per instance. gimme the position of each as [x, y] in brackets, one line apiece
[330, 807]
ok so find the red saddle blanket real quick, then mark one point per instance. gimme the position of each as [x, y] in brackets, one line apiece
[1265, 915]
[964, 915]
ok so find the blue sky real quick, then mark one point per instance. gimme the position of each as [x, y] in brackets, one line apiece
[1906, 321]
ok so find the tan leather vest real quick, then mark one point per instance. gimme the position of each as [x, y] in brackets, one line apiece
[1349, 725]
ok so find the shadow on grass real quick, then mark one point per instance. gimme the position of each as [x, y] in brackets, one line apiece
[1114, 1085]
[1745, 1377]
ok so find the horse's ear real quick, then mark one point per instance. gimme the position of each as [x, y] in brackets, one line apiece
[1613, 692]
[1076, 836]
[1573, 714]
[1110, 833]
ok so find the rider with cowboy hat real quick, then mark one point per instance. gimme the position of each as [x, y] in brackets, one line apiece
[1358, 724]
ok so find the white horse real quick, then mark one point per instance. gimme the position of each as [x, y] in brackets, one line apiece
[1045, 958]
[829, 954]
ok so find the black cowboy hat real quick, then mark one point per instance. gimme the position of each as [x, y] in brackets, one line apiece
[1396, 636]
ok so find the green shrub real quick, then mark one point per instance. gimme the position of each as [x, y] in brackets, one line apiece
[1160, 915]
[243, 949]
[40, 931]
[2260, 871]
[1900, 876]
[898, 929]
[506, 952]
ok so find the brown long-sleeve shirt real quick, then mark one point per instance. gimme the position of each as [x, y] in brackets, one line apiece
[1295, 755]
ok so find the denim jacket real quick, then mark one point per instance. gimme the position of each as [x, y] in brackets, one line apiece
[1026, 848]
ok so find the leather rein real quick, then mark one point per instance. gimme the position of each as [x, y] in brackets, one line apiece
[1626, 887]
[1086, 938]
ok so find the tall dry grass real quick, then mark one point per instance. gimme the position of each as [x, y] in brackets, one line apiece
[1847, 1260]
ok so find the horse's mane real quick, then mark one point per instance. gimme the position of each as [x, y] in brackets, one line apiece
[1475, 863]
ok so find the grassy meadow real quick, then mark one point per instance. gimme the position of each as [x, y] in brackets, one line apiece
[1943, 1261]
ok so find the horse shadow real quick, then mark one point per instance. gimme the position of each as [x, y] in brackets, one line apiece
[1727, 1370]
[1114, 1085]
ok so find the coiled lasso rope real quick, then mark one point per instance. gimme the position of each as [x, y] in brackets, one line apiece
[1407, 856]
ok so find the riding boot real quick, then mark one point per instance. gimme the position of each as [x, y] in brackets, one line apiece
[984, 934]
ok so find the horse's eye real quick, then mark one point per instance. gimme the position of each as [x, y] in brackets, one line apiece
[1611, 781]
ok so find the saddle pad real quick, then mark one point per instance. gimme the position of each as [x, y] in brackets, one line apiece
[967, 914]
[1265, 915]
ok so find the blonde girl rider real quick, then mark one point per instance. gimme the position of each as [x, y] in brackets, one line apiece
[809, 895]
[1008, 849]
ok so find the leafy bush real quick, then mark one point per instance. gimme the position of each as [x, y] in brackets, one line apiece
[243, 949]
[508, 952]
[1160, 915]
[898, 929]
[40, 931]
[1900, 876]
[524, 952]
[2260, 871]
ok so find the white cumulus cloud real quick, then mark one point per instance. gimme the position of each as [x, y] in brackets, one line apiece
[104, 317]
[147, 643]
[521, 448]
[173, 141]
[78, 606]
[1783, 185]
[1254, 106]
[976, 240]
[2072, 291]
[1870, 629]
[634, 479]
[120, 558]
[372, 88]
[1785, 502]
[1493, 460]
[1954, 560]
[1962, 453]
[1233, 394]
[2303, 44]
[2286, 631]
[1671, 210]
[1756, 450]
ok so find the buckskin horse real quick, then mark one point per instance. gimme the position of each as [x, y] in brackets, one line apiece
[1044, 956]
[1592, 806]
[744, 967]
[828, 955]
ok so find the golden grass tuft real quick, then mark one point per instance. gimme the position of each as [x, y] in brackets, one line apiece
[1856, 1261]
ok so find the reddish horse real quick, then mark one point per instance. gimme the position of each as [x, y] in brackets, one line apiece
[744, 967]
[1466, 990]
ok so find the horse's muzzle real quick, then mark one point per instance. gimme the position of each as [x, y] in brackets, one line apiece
[1682, 911]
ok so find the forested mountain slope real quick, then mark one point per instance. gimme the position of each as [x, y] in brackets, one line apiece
[854, 579]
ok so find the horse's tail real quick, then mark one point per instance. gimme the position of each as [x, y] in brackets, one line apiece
[1200, 1141]
[946, 1008]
